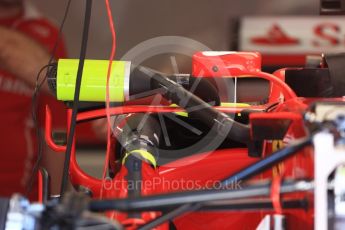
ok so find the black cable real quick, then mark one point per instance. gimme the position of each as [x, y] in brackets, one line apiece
[34, 102]
[251, 191]
[138, 204]
[82, 56]
[38, 133]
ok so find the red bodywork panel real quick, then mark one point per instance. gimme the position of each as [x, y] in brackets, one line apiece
[211, 64]
[205, 169]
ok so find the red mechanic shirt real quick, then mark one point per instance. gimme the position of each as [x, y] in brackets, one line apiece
[18, 144]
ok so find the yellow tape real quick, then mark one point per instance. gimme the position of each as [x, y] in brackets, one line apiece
[230, 104]
[277, 144]
[279, 169]
[144, 154]
[183, 114]
[223, 104]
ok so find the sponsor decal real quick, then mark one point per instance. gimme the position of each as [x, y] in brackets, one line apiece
[293, 35]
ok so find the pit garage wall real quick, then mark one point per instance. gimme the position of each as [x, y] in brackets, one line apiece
[208, 22]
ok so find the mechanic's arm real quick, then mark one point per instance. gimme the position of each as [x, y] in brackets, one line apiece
[22, 56]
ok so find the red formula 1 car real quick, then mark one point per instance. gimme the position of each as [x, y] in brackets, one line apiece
[211, 162]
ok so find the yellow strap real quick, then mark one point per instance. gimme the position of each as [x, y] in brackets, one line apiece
[223, 104]
[183, 114]
[238, 105]
[144, 154]
[230, 104]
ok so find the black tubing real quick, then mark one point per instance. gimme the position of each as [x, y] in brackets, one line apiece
[196, 197]
[199, 109]
[141, 131]
[140, 85]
